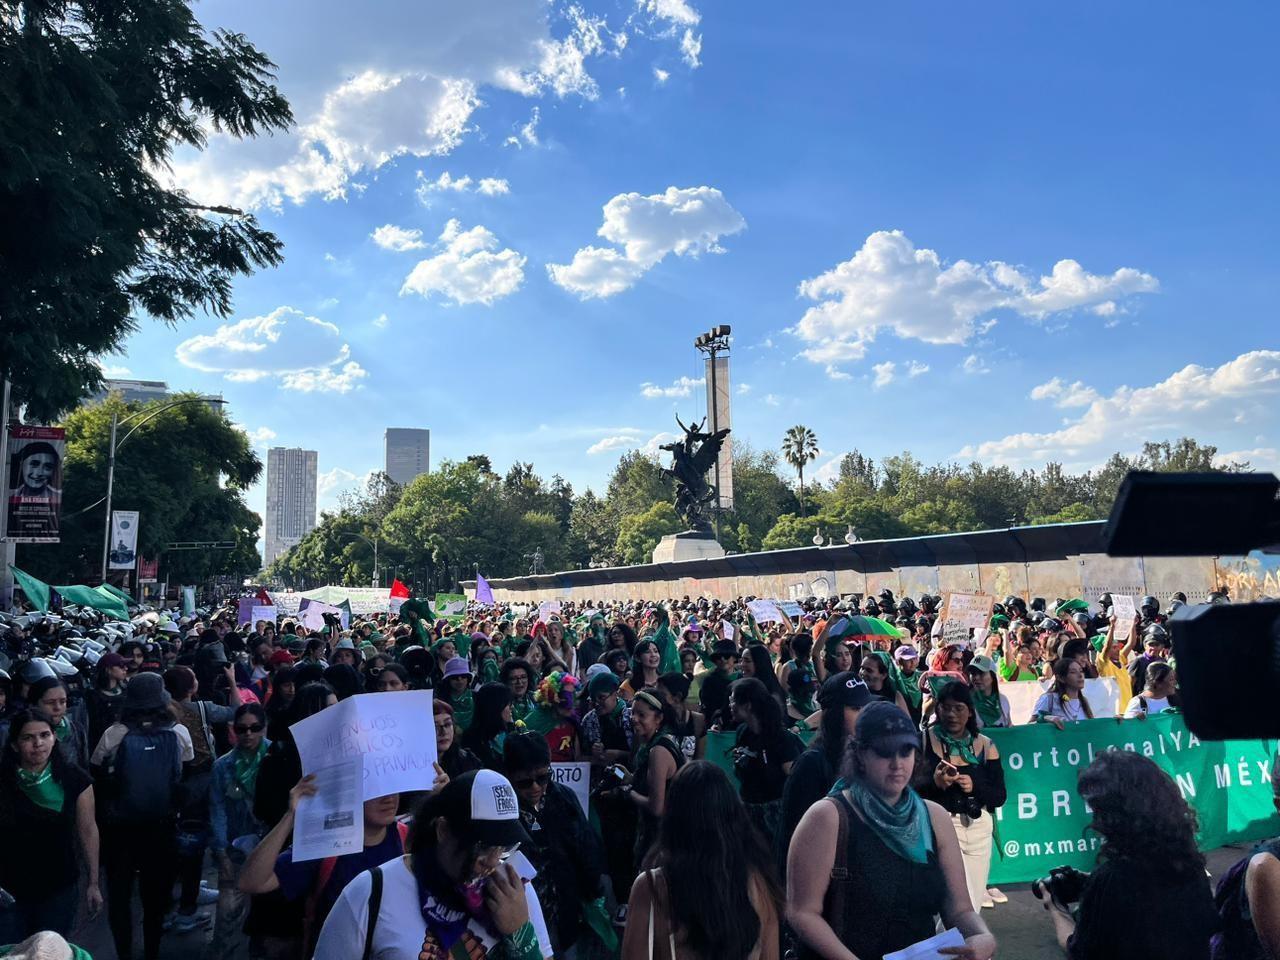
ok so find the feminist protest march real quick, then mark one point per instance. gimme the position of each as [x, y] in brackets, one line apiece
[673, 777]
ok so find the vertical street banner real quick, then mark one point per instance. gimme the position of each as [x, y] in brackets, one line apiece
[719, 418]
[33, 486]
[148, 570]
[123, 554]
[1044, 822]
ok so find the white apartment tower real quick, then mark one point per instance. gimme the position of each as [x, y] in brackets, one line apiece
[408, 453]
[291, 498]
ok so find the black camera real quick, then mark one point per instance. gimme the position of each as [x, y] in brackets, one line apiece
[612, 777]
[971, 807]
[1064, 885]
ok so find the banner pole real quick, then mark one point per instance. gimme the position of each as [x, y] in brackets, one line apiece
[9, 550]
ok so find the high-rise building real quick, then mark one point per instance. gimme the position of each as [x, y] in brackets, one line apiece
[291, 499]
[408, 453]
[131, 390]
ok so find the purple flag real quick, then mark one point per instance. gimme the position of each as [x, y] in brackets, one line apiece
[484, 593]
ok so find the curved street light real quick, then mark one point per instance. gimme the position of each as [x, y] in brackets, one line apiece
[373, 543]
[111, 459]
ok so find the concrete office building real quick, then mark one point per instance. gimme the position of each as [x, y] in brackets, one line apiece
[291, 499]
[408, 453]
[133, 390]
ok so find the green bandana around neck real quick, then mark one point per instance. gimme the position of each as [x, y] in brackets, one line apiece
[246, 771]
[903, 827]
[961, 746]
[41, 789]
[988, 707]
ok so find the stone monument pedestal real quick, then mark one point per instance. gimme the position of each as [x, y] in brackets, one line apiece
[689, 545]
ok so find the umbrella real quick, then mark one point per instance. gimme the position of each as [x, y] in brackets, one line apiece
[862, 628]
[1074, 605]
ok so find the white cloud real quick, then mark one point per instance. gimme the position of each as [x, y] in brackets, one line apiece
[259, 437]
[650, 448]
[884, 373]
[680, 388]
[974, 364]
[303, 352]
[684, 221]
[662, 76]
[691, 49]
[889, 284]
[916, 368]
[527, 135]
[613, 443]
[113, 371]
[772, 400]
[447, 183]
[1258, 458]
[744, 389]
[331, 484]
[397, 239]
[629, 438]
[468, 269]
[1065, 395]
[677, 11]
[381, 321]
[1195, 401]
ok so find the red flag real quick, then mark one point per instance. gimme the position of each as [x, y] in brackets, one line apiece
[263, 597]
[398, 589]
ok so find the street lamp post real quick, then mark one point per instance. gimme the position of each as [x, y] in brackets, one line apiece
[111, 459]
[373, 543]
[714, 341]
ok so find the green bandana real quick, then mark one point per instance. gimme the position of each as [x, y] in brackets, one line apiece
[41, 789]
[489, 672]
[909, 684]
[904, 827]
[520, 707]
[246, 772]
[988, 707]
[464, 709]
[62, 730]
[961, 746]
[541, 719]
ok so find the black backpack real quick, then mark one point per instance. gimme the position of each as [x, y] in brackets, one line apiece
[144, 772]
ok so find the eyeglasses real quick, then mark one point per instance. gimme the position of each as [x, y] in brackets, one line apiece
[902, 753]
[538, 779]
[253, 728]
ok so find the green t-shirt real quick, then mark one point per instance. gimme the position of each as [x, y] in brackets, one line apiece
[1007, 670]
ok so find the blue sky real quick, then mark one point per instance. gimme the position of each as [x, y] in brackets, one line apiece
[1011, 233]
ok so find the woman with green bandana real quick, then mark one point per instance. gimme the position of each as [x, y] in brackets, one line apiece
[47, 820]
[907, 658]
[519, 677]
[871, 865]
[49, 695]
[877, 672]
[961, 772]
[802, 708]
[990, 704]
[455, 690]
[234, 830]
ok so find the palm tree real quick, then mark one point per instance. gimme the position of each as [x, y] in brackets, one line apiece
[799, 447]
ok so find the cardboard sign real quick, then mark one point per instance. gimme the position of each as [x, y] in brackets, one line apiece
[312, 615]
[450, 606]
[1103, 694]
[577, 777]
[1124, 609]
[955, 631]
[970, 609]
[244, 610]
[393, 734]
[766, 611]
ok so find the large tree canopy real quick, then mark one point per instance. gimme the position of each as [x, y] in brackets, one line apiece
[94, 97]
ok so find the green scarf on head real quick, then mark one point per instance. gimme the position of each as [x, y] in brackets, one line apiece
[666, 641]
[961, 746]
[464, 709]
[988, 707]
[246, 770]
[489, 670]
[41, 789]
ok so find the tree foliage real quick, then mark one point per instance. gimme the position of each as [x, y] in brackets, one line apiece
[185, 470]
[94, 97]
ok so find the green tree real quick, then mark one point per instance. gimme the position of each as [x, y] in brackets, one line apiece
[799, 448]
[639, 533]
[791, 531]
[760, 495]
[185, 471]
[1072, 513]
[97, 95]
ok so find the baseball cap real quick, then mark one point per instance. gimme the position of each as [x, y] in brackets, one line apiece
[906, 652]
[844, 690]
[982, 663]
[481, 806]
[885, 724]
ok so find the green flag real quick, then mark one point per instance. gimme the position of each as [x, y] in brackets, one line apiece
[37, 591]
[90, 597]
[116, 592]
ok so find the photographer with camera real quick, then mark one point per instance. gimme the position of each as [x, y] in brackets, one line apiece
[1148, 848]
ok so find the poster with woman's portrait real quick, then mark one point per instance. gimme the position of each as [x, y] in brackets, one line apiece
[34, 490]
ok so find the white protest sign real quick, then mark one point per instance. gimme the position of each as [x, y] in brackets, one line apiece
[954, 631]
[393, 734]
[970, 609]
[1103, 694]
[791, 608]
[577, 777]
[312, 615]
[546, 608]
[729, 632]
[330, 823]
[766, 611]
[262, 613]
[1124, 609]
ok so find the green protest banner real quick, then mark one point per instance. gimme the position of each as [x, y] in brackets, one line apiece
[451, 606]
[1042, 824]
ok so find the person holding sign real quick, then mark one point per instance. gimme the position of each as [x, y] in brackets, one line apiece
[462, 889]
[562, 846]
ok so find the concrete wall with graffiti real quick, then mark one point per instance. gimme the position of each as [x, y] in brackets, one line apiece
[1063, 560]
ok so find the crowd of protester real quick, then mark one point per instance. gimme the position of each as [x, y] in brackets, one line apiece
[859, 818]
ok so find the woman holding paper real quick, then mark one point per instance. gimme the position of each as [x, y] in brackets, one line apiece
[896, 856]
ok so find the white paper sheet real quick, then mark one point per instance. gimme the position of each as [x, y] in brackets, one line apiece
[331, 823]
[928, 949]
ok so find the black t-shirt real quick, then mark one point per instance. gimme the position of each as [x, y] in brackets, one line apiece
[714, 697]
[41, 847]
[758, 763]
[1172, 919]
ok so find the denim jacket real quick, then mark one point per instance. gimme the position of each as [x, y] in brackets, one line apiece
[230, 817]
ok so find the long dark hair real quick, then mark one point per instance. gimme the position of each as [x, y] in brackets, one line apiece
[1059, 688]
[489, 702]
[957, 692]
[709, 864]
[1140, 813]
[831, 736]
[628, 635]
[760, 659]
[753, 692]
[9, 761]
[637, 670]
[309, 700]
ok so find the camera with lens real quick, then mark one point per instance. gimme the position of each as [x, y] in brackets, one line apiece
[612, 777]
[1064, 885]
[971, 807]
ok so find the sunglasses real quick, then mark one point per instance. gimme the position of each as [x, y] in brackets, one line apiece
[253, 728]
[540, 779]
[902, 752]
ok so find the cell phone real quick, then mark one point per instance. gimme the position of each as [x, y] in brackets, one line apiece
[948, 768]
